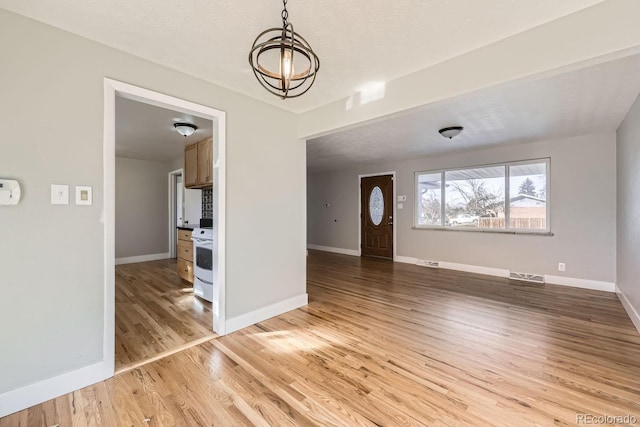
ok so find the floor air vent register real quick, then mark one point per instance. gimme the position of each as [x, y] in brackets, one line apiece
[526, 277]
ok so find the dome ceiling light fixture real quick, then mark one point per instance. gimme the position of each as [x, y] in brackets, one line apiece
[185, 129]
[283, 61]
[451, 131]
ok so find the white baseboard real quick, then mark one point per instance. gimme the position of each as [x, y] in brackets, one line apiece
[405, 259]
[499, 272]
[33, 394]
[265, 313]
[352, 252]
[580, 283]
[142, 258]
[631, 311]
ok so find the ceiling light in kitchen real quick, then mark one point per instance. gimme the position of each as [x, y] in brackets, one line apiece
[185, 129]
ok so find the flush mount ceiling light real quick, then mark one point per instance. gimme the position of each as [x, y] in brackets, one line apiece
[185, 129]
[277, 54]
[450, 132]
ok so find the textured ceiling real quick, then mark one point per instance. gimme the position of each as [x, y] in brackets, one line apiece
[586, 101]
[146, 132]
[358, 41]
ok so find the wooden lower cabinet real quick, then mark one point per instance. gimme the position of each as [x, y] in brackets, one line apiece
[185, 270]
[185, 255]
[185, 250]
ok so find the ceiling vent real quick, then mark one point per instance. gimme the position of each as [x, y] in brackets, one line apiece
[526, 277]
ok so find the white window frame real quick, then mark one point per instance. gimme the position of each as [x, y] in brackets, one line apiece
[507, 197]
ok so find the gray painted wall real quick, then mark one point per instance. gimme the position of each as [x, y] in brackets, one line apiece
[51, 257]
[628, 223]
[177, 163]
[582, 191]
[141, 207]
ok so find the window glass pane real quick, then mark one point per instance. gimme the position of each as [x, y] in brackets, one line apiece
[528, 196]
[376, 205]
[429, 199]
[475, 198]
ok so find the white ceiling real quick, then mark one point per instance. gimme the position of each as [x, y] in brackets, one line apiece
[146, 132]
[589, 100]
[358, 41]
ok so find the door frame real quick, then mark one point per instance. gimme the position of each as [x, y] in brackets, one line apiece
[113, 88]
[395, 208]
[172, 212]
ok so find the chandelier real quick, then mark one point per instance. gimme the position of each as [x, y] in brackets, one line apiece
[282, 60]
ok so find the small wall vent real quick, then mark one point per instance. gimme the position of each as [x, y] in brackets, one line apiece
[526, 277]
[427, 263]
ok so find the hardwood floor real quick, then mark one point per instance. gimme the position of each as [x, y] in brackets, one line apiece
[387, 344]
[156, 312]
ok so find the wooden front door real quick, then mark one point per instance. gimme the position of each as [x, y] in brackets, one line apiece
[377, 216]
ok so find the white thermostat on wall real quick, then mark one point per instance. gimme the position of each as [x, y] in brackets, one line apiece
[9, 192]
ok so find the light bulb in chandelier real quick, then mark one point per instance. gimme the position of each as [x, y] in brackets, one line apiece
[287, 70]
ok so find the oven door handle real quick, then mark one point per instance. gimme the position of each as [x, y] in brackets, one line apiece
[204, 281]
[200, 241]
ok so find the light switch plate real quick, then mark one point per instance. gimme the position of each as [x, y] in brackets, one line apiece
[59, 194]
[84, 195]
[402, 198]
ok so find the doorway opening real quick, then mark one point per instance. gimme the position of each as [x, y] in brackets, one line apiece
[115, 92]
[376, 216]
[176, 208]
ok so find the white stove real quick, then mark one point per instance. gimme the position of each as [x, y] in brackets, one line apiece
[204, 271]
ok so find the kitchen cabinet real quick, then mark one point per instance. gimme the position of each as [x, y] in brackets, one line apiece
[191, 165]
[205, 158]
[198, 164]
[185, 255]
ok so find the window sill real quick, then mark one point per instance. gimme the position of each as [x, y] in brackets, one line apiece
[471, 230]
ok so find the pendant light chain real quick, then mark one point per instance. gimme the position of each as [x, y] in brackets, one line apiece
[285, 13]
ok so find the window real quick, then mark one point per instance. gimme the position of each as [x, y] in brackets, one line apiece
[503, 197]
[528, 201]
[430, 197]
[472, 194]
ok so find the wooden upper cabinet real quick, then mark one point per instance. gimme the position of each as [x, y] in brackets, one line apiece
[191, 165]
[198, 164]
[205, 157]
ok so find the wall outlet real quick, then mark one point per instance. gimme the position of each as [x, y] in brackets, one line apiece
[562, 266]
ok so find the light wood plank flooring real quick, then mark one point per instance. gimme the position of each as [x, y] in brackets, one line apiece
[156, 312]
[387, 344]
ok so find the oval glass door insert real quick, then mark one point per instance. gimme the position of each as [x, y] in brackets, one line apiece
[376, 205]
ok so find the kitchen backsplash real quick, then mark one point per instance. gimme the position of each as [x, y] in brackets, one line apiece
[207, 203]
